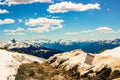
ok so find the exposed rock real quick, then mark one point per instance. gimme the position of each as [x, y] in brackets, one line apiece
[71, 66]
[10, 61]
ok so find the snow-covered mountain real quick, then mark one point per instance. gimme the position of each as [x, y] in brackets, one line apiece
[28, 47]
[46, 48]
[97, 46]
[17, 44]
[105, 64]
[10, 61]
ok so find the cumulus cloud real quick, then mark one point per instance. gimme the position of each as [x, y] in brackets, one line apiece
[104, 29]
[10, 2]
[43, 21]
[7, 21]
[71, 33]
[19, 30]
[101, 30]
[3, 11]
[44, 24]
[69, 6]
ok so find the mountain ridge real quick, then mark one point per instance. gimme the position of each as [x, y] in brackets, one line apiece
[28, 48]
[71, 65]
[97, 46]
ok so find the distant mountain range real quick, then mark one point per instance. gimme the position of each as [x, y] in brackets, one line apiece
[29, 48]
[87, 46]
[45, 48]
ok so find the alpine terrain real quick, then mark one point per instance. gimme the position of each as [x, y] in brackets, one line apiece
[73, 66]
[10, 61]
[29, 47]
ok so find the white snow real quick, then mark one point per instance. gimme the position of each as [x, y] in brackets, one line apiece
[65, 42]
[10, 61]
[70, 59]
[114, 52]
[17, 44]
[108, 58]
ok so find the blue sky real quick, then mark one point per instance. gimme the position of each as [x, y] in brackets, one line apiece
[59, 19]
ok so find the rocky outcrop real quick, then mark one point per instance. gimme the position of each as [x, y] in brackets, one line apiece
[104, 66]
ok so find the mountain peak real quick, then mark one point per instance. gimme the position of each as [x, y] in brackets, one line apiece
[13, 40]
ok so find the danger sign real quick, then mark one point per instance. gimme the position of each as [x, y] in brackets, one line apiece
[89, 59]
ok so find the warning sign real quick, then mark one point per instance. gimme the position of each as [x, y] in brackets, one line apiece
[89, 59]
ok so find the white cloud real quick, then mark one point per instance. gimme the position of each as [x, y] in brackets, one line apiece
[20, 20]
[104, 29]
[55, 17]
[71, 33]
[19, 30]
[3, 11]
[43, 21]
[10, 2]
[44, 29]
[44, 24]
[87, 31]
[114, 32]
[69, 6]
[101, 29]
[7, 21]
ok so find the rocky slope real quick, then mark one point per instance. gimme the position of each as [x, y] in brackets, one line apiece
[104, 64]
[10, 61]
[71, 66]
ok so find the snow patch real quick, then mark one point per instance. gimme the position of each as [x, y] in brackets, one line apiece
[114, 52]
[10, 62]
